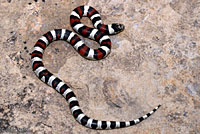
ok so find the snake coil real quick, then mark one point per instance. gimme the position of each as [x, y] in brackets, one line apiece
[99, 34]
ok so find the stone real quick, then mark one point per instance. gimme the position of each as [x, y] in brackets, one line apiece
[155, 60]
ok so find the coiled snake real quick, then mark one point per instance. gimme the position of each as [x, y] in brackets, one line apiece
[99, 34]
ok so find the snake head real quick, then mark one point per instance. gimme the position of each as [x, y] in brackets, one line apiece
[118, 27]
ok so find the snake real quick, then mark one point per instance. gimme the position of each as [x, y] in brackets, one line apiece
[100, 33]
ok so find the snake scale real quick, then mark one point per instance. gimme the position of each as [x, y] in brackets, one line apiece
[100, 34]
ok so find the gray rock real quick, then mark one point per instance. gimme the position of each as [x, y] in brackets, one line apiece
[154, 61]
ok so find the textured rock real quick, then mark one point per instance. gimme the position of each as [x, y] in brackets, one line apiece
[156, 60]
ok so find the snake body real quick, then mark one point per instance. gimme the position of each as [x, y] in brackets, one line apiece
[100, 34]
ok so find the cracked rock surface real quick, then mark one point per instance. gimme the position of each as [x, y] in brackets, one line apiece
[155, 60]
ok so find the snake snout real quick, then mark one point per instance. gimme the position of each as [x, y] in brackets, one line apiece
[118, 27]
[121, 26]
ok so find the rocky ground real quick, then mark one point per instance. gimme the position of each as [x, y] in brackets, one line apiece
[156, 60]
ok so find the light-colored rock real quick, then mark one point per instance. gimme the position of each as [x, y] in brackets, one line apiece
[156, 60]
